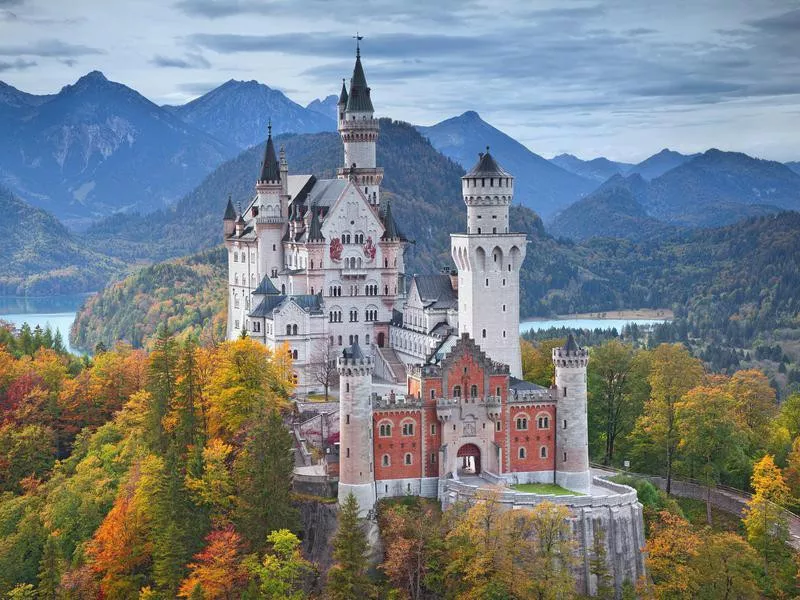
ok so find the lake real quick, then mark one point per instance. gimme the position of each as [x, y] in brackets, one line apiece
[539, 325]
[57, 311]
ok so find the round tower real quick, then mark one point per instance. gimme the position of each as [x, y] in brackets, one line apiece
[359, 130]
[488, 257]
[355, 428]
[572, 435]
[270, 211]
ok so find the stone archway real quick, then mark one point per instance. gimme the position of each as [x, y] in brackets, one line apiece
[468, 460]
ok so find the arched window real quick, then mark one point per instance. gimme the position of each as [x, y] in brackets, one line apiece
[543, 452]
[294, 354]
[433, 394]
[543, 421]
[408, 428]
[408, 458]
[385, 429]
[294, 329]
[483, 333]
[386, 461]
[522, 452]
[288, 330]
[473, 391]
[457, 391]
[522, 423]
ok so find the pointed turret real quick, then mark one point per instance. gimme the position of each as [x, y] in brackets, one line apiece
[358, 99]
[229, 220]
[315, 228]
[391, 231]
[343, 95]
[270, 170]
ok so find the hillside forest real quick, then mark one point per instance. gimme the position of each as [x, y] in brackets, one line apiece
[167, 472]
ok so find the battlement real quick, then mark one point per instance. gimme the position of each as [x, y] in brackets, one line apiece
[393, 401]
[352, 362]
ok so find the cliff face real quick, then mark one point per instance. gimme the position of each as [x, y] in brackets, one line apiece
[319, 527]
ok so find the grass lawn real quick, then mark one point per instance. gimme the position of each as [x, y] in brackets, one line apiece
[544, 488]
[320, 398]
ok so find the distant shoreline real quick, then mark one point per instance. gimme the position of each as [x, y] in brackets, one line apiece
[635, 313]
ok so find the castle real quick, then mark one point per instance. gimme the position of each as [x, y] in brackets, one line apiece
[317, 264]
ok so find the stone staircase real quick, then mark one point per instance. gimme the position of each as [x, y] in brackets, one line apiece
[394, 365]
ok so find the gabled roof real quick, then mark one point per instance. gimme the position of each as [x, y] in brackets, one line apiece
[265, 308]
[358, 100]
[270, 171]
[392, 231]
[307, 302]
[487, 167]
[266, 288]
[230, 212]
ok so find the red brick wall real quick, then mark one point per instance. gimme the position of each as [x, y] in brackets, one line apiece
[397, 445]
[532, 439]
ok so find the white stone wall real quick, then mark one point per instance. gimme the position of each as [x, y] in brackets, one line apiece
[572, 436]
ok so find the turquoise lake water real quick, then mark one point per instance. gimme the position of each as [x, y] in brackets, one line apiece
[584, 323]
[57, 311]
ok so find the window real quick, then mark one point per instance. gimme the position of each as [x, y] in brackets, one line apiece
[408, 458]
[522, 423]
[543, 422]
[433, 394]
[236, 324]
[457, 391]
[339, 339]
[522, 452]
[385, 461]
[473, 391]
[256, 326]
[433, 458]
[564, 424]
[347, 452]
[346, 387]
[347, 420]
[497, 426]
[385, 430]
[408, 428]
[483, 333]
[565, 391]
[294, 354]
[497, 392]
[543, 452]
[504, 308]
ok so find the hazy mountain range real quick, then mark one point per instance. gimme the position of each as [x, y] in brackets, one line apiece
[98, 148]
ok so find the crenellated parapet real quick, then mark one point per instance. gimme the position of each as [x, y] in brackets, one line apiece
[575, 359]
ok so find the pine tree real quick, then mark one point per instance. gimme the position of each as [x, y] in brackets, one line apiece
[263, 473]
[163, 361]
[348, 579]
[49, 571]
[598, 565]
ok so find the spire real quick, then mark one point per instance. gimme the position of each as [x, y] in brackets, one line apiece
[358, 100]
[391, 230]
[487, 167]
[571, 345]
[230, 212]
[315, 229]
[269, 167]
[343, 95]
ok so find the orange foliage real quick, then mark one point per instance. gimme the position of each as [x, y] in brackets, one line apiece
[217, 569]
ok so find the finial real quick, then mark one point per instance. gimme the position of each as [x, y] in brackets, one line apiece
[358, 38]
[487, 149]
[269, 127]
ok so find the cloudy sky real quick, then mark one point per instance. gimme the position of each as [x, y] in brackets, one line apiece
[622, 78]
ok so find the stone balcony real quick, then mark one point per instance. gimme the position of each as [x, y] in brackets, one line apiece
[447, 408]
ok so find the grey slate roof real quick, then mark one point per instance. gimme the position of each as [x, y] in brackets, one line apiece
[270, 171]
[325, 192]
[343, 95]
[266, 288]
[353, 351]
[307, 302]
[487, 167]
[523, 386]
[266, 306]
[315, 227]
[392, 231]
[230, 212]
[571, 346]
[436, 289]
[358, 100]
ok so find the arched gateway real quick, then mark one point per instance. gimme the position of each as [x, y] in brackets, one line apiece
[469, 460]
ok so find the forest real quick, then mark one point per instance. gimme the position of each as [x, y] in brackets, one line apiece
[166, 473]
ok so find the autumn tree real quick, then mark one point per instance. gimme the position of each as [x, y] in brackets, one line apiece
[755, 404]
[710, 434]
[673, 372]
[617, 382]
[726, 566]
[323, 364]
[217, 569]
[670, 551]
[347, 578]
[537, 360]
[214, 489]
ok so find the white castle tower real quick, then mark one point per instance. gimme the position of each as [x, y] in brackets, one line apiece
[359, 131]
[355, 428]
[271, 208]
[572, 435]
[489, 258]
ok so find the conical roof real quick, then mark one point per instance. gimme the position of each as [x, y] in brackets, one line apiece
[571, 345]
[266, 288]
[270, 171]
[487, 167]
[230, 212]
[358, 100]
[343, 95]
[353, 352]
[391, 231]
[315, 228]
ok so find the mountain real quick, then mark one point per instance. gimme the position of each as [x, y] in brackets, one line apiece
[597, 169]
[716, 188]
[659, 163]
[326, 107]
[41, 257]
[794, 166]
[613, 210]
[238, 112]
[538, 184]
[98, 147]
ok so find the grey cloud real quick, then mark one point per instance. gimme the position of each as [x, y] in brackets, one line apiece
[189, 61]
[786, 23]
[7, 3]
[215, 9]
[49, 48]
[17, 65]
[686, 88]
[70, 62]
[637, 31]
